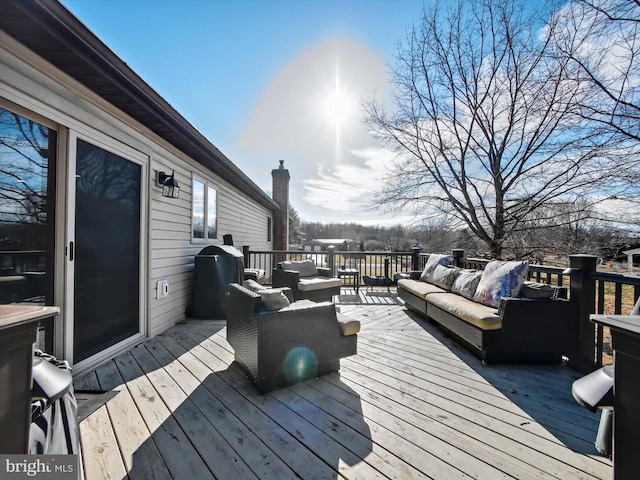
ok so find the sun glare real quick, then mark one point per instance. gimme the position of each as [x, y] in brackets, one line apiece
[337, 104]
[337, 107]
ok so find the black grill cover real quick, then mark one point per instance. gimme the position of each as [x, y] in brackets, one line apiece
[216, 267]
[54, 424]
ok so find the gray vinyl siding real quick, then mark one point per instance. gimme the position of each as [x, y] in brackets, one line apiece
[172, 248]
[36, 86]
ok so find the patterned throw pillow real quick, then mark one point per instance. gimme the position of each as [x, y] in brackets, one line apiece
[274, 299]
[252, 285]
[432, 262]
[500, 279]
[444, 277]
[466, 283]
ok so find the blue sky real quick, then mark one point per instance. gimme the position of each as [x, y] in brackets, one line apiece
[270, 80]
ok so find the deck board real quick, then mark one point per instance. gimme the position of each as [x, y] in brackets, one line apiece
[255, 436]
[411, 404]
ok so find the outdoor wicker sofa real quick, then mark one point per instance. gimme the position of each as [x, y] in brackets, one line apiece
[527, 328]
[306, 280]
[281, 347]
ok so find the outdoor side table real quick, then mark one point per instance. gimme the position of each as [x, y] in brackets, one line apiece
[18, 331]
[350, 273]
[625, 340]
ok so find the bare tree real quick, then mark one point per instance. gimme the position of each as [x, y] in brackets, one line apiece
[555, 231]
[601, 38]
[488, 122]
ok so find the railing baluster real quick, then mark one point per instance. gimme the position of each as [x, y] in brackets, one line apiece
[600, 298]
[618, 299]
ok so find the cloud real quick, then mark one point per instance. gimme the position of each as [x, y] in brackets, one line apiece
[346, 193]
[346, 188]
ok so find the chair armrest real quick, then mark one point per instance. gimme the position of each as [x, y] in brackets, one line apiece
[287, 292]
[526, 309]
[324, 271]
[320, 323]
[542, 321]
[285, 278]
[313, 309]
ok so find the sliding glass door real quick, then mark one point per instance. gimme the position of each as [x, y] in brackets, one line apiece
[105, 252]
[27, 206]
[72, 233]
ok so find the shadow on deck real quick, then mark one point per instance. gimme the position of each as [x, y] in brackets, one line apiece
[368, 296]
[410, 404]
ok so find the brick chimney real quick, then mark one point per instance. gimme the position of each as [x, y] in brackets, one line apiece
[280, 195]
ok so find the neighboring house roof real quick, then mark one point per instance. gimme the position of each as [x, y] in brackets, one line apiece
[51, 31]
[329, 241]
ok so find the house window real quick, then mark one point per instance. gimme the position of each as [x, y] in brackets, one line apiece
[269, 229]
[204, 211]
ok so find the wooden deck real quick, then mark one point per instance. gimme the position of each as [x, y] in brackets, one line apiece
[411, 404]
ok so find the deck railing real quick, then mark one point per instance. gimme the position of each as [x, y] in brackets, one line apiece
[374, 264]
[590, 290]
[18, 261]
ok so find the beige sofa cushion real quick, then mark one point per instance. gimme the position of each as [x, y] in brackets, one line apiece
[308, 284]
[421, 289]
[482, 316]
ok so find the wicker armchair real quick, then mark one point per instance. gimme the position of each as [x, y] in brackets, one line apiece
[306, 281]
[277, 348]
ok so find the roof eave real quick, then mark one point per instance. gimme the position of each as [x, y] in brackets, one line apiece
[83, 56]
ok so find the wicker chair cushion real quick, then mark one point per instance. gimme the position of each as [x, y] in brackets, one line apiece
[308, 284]
[432, 262]
[274, 299]
[482, 316]
[500, 279]
[306, 268]
[348, 326]
[466, 283]
[444, 276]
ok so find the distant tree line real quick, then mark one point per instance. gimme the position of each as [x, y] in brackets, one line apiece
[544, 242]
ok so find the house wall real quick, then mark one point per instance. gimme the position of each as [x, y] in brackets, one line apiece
[30, 83]
[172, 251]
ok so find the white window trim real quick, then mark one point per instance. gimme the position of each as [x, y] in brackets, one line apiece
[207, 185]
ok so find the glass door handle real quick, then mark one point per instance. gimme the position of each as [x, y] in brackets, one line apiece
[70, 251]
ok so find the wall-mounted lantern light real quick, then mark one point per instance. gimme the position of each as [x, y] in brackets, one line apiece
[170, 187]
